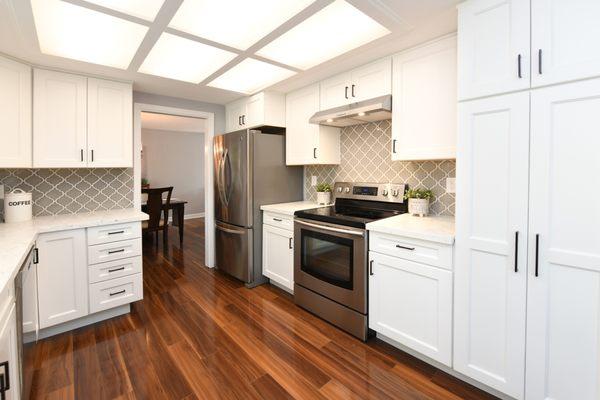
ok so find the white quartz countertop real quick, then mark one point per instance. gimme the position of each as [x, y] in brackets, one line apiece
[290, 208]
[17, 238]
[437, 229]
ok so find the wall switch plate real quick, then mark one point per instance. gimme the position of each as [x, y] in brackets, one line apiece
[313, 180]
[1, 192]
[450, 185]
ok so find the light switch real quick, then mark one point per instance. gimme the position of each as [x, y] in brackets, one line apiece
[450, 185]
[313, 180]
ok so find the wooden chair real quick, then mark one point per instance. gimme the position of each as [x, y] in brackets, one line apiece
[158, 212]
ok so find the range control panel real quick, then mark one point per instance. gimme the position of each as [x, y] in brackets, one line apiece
[390, 192]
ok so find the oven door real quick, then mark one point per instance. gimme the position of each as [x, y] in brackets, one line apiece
[331, 261]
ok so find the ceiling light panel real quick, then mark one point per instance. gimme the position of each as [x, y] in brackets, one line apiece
[183, 59]
[251, 76]
[145, 9]
[70, 31]
[235, 23]
[334, 30]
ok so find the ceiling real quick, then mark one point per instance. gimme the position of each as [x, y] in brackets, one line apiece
[172, 123]
[409, 23]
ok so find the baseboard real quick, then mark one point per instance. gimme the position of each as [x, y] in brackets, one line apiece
[189, 216]
[78, 323]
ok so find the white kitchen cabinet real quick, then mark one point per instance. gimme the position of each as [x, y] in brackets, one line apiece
[491, 241]
[493, 39]
[62, 277]
[278, 255]
[109, 118]
[30, 299]
[59, 120]
[9, 353]
[411, 303]
[264, 108]
[564, 39]
[15, 114]
[307, 143]
[563, 307]
[362, 83]
[424, 93]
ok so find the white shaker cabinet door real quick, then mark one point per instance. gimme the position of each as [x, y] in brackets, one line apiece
[371, 80]
[278, 255]
[563, 307]
[15, 114]
[59, 120]
[493, 47]
[491, 241]
[9, 352]
[564, 41]
[110, 129]
[335, 91]
[301, 138]
[62, 277]
[30, 299]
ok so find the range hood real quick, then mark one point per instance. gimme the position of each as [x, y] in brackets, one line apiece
[371, 110]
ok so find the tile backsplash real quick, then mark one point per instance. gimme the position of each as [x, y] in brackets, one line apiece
[69, 191]
[365, 157]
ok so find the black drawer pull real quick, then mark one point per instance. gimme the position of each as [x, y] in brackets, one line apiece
[540, 61]
[277, 219]
[371, 268]
[116, 251]
[290, 244]
[517, 251]
[519, 74]
[404, 247]
[116, 232]
[116, 269]
[537, 254]
[116, 293]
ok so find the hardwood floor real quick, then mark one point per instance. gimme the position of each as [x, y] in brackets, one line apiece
[199, 334]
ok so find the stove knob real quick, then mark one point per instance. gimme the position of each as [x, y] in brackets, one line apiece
[385, 192]
[339, 189]
[395, 192]
[347, 190]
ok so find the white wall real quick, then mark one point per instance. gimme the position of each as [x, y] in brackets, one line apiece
[175, 159]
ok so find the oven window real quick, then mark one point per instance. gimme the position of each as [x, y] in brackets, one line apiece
[328, 258]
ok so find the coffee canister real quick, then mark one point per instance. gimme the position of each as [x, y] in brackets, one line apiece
[17, 206]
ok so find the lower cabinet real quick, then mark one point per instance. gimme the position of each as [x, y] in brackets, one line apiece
[9, 355]
[30, 299]
[278, 251]
[411, 303]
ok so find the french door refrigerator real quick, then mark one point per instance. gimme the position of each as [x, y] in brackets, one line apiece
[250, 171]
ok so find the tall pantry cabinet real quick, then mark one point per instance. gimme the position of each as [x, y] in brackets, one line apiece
[527, 275]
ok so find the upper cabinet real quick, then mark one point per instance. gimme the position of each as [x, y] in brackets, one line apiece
[424, 96]
[307, 143]
[264, 108]
[15, 114]
[366, 82]
[81, 122]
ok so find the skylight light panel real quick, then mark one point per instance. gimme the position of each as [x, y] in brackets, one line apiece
[251, 76]
[144, 9]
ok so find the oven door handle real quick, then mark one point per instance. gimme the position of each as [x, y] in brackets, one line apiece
[329, 228]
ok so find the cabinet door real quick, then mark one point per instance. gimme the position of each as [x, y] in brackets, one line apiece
[62, 277]
[59, 120]
[9, 351]
[234, 113]
[335, 91]
[278, 255]
[491, 241]
[563, 304]
[493, 38]
[30, 299]
[372, 80]
[15, 114]
[254, 114]
[411, 303]
[567, 34]
[301, 138]
[424, 111]
[110, 130]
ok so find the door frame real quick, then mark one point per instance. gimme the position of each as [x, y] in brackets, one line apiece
[209, 227]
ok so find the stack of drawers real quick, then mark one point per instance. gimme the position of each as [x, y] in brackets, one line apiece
[114, 265]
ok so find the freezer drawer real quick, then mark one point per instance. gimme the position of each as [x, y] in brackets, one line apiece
[234, 250]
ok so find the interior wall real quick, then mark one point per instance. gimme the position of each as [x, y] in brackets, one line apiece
[176, 159]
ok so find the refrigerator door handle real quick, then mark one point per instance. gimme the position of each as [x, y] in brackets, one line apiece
[226, 179]
[220, 183]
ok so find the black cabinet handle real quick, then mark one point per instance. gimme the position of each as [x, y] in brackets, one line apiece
[4, 380]
[116, 269]
[353, 90]
[116, 232]
[81, 155]
[36, 256]
[239, 120]
[371, 268]
[394, 146]
[315, 153]
[540, 61]
[346, 92]
[116, 251]
[517, 251]
[116, 293]
[290, 244]
[537, 254]
[404, 247]
[519, 66]
[243, 119]
[92, 155]
[277, 219]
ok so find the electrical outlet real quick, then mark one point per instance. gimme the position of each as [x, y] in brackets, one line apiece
[313, 180]
[450, 185]
[1, 192]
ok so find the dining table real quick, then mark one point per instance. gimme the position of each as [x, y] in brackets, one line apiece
[177, 206]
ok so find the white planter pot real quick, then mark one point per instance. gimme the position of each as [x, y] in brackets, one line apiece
[418, 207]
[323, 197]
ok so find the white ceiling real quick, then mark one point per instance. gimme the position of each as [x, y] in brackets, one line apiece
[172, 123]
[410, 21]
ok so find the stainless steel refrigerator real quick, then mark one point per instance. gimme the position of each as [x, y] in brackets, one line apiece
[250, 171]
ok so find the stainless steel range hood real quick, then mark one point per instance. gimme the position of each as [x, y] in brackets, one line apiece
[371, 110]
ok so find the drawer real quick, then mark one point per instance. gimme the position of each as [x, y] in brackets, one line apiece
[423, 251]
[278, 220]
[115, 292]
[114, 269]
[114, 233]
[114, 251]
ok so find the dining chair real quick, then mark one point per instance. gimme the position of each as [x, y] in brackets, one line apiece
[158, 211]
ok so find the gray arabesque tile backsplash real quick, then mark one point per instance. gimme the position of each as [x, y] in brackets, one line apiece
[365, 157]
[69, 191]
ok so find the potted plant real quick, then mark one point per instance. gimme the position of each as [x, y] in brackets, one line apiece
[323, 193]
[145, 183]
[418, 201]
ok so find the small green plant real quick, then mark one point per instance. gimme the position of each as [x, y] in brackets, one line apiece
[418, 194]
[145, 181]
[323, 187]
